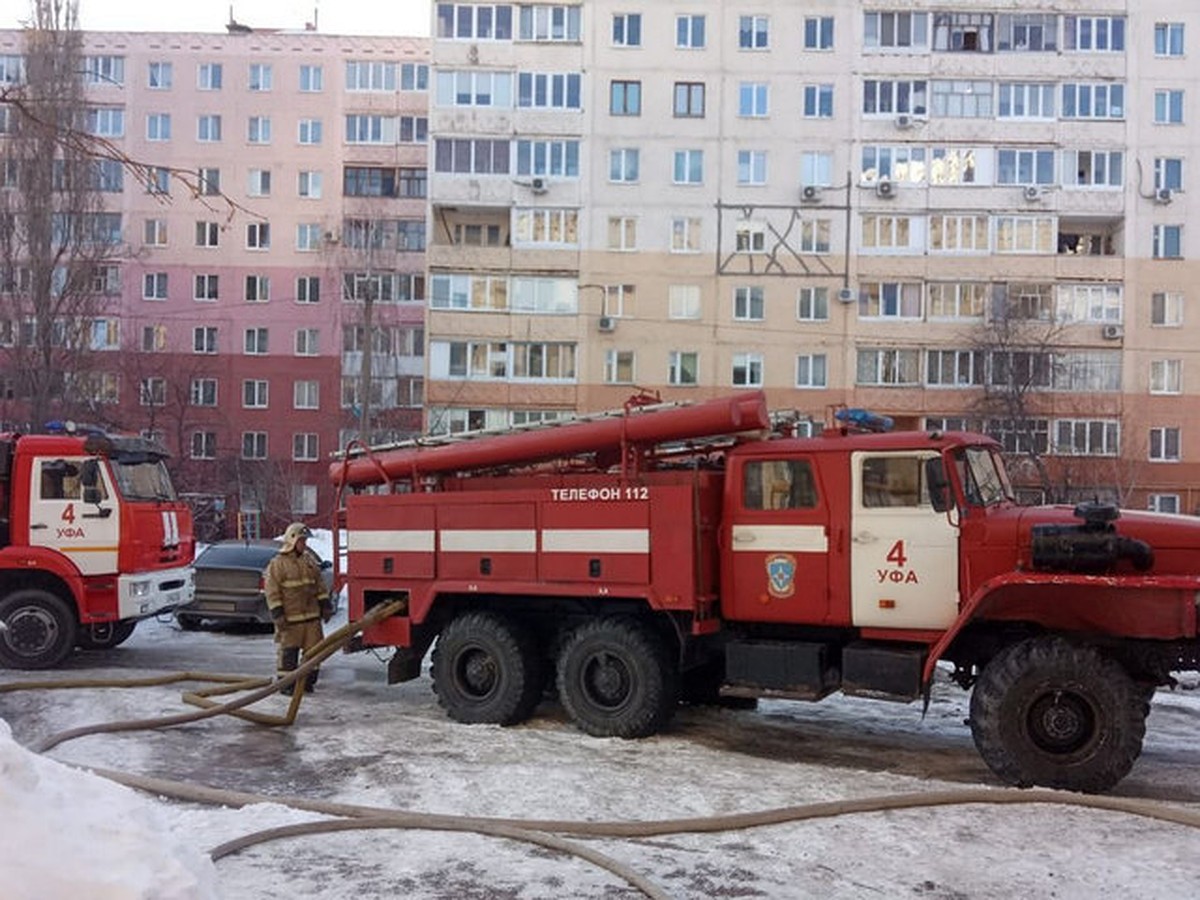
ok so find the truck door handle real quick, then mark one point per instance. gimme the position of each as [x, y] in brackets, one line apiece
[37, 525]
[865, 537]
[744, 537]
[102, 513]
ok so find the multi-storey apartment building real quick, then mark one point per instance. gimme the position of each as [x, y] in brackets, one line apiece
[279, 242]
[955, 214]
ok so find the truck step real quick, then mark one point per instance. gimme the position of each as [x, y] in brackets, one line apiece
[798, 670]
[883, 671]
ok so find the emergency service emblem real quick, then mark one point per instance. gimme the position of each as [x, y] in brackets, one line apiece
[781, 574]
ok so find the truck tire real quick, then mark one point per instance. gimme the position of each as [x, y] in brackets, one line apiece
[38, 629]
[615, 679]
[1050, 712]
[487, 669]
[105, 635]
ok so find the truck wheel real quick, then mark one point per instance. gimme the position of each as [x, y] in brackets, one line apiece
[37, 629]
[615, 679]
[487, 669]
[1050, 712]
[105, 635]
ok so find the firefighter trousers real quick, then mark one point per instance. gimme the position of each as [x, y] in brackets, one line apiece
[293, 639]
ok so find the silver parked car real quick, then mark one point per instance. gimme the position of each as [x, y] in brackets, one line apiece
[230, 583]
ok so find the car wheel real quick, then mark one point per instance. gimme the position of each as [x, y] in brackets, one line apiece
[105, 635]
[38, 629]
[486, 669]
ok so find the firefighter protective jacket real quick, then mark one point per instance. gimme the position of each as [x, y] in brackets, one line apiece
[294, 583]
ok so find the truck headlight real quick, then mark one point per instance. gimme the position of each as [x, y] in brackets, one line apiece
[139, 589]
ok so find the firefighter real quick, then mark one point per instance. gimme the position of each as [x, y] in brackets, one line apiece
[298, 601]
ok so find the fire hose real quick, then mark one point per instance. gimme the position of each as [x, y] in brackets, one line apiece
[543, 832]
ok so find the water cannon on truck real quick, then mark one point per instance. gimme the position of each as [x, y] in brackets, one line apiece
[686, 551]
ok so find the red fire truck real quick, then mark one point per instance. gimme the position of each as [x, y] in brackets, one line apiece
[689, 551]
[92, 539]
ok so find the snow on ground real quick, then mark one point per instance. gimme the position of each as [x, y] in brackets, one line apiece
[71, 835]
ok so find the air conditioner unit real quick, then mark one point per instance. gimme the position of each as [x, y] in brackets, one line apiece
[904, 121]
[1033, 192]
[1163, 195]
[846, 295]
[810, 193]
[885, 188]
[606, 323]
[538, 185]
[1112, 332]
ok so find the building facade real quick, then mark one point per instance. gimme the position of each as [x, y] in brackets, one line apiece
[276, 244]
[963, 215]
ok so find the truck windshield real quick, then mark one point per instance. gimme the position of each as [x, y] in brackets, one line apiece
[142, 479]
[983, 476]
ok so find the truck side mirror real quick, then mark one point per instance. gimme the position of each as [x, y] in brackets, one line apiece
[89, 478]
[937, 484]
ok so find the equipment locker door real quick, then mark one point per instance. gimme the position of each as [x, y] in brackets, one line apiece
[777, 544]
[85, 526]
[904, 552]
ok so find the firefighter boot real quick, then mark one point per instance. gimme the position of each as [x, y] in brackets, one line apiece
[289, 659]
[310, 682]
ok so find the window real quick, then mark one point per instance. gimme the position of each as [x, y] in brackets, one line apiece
[206, 287]
[258, 288]
[465, 87]
[104, 70]
[963, 32]
[308, 185]
[1095, 101]
[258, 236]
[208, 129]
[158, 127]
[208, 234]
[306, 394]
[1027, 33]
[204, 445]
[1168, 173]
[1166, 376]
[752, 167]
[814, 235]
[260, 77]
[1163, 503]
[683, 367]
[1164, 445]
[954, 368]
[465, 156]
[155, 233]
[304, 447]
[411, 182]
[1093, 168]
[12, 69]
[895, 30]
[750, 237]
[254, 445]
[548, 90]
[254, 393]
[255, 342]
[1168, 242]
[818, 101]
[953, 165]
[625, 98]
[159, 76]
[208, 76]
[1027, 100]
[683, 301]
[627, 30]
[812, 304]
[964, 99]
[308, 289]
[259, 183]
[1166, 309]
[818, 32]
[1086, 437]
[258, 130]
[414, 77]
[546, 227]
[477, 292]
[152, 391]
[685, 235]
[904, 163]
[542, 22]
[203, 392]
[752, 99]
[747, 370]
[1168, 107]
[208, 181]
[753, 32]
[154, 286]
[1168, 39]
[548, 158]
[688, 167]
[1025, 234]
[816, 168]
[106, 121]
[312, 79]
[310, 131]
[811, 370]
[689, 99]
[622, 233]
[544, 361]
[1027, 167]
[748, 304]
[623, 165]
[891, 97]
[1099, 33]
[889, 300]
[959, 233]
[309, 236]
[618, 367]
[888, 367]
[888, 233]
[689, 32]
[778, 484]
[370, 76]
[204, 339]
[1089, 303]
